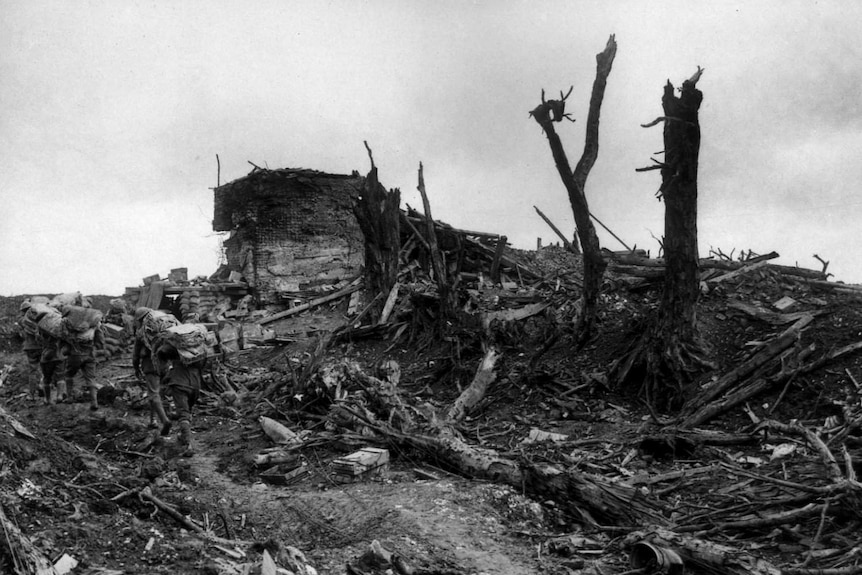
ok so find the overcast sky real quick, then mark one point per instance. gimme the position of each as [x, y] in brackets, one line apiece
[112, 113]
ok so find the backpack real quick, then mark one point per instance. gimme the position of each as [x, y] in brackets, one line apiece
[52, 324]
[190, 341]
[154, 325]
[80, 319]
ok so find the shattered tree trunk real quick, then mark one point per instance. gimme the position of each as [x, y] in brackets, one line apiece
[670, 350]
[546, 114]
[445, 291]
[378, 213]
[676, 329]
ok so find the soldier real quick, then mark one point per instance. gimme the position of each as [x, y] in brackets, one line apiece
[51, 364]
[142, 362]
[184, 383]
[32, 349]
[81, 356]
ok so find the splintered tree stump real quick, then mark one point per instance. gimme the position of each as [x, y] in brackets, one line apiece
[670, 350]
[378, 214]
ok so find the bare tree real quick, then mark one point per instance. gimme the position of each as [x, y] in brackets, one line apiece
[548, 113]
[671, 350]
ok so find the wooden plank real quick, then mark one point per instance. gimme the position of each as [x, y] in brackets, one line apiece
[354, 286]
[389, 305]
[735, 273]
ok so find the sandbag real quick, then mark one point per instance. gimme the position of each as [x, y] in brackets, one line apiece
[74, 298]
[52, 324]
[155, 324]
[190, 341]
[80, 319]
[38, 310]
[119, 304]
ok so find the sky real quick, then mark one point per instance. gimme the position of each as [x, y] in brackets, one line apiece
[112, 114]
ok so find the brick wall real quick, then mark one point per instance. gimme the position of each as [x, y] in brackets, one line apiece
[291, 229]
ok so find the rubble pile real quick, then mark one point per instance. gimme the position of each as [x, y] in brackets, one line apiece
[328, 411]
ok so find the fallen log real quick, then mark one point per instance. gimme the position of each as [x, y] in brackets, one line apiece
[593, 499]
[769, 352]
[769, 316]
[474, 393]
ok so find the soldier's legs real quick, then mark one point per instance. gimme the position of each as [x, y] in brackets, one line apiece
[73, 365]
[50, 371]
[34, 373]
[88, 370]
[184, 400]
[154, 396]
[60, 380]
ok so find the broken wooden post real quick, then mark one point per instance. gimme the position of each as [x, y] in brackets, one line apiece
[378, 214]
[444, 290]
[495, 263]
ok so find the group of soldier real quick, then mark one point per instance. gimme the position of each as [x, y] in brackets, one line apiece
[53, 364]
[58, 361]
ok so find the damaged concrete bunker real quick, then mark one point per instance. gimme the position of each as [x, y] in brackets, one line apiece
[290, 230]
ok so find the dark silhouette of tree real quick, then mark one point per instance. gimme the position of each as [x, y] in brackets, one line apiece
[547, 114]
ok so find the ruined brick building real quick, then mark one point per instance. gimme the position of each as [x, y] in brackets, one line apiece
[290, 230]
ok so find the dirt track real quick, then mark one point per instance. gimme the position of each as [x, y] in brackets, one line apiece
[82, 459]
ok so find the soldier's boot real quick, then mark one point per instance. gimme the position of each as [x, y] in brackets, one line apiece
[70, 390]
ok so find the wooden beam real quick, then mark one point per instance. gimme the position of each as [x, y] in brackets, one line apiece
[355, 285]
[495, 263]
[566, 243]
